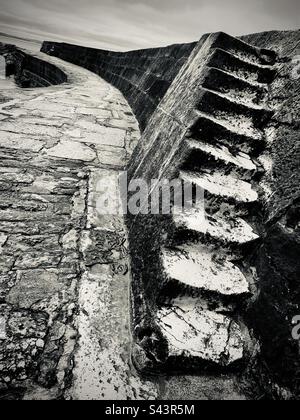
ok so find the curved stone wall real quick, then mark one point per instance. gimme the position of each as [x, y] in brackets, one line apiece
[30, 71]
[143, 76]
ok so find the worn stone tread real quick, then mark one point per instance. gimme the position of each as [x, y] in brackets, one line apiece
[218, 184]
[225, 229]
[204, 335]
[202, 268]
[221, 155]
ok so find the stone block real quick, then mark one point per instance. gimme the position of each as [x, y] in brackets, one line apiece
[73, 151]
[34, 286]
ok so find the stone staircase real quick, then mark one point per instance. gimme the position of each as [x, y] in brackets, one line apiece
[205, 274]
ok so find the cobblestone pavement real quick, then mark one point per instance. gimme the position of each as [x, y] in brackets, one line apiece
[64, 300]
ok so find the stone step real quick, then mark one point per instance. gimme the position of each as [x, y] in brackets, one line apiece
[197, 338]
[200, 155]
[201, 270]
[235, 88]
[229, 305]
[253, 73]
[235, 115]
[226, 306]
[229, 133]
[222, 229]
[226, 186]
[244, 51]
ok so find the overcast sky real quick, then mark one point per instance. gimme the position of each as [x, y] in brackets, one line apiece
[130, 24]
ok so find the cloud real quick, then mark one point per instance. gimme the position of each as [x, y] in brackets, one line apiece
[129, 24]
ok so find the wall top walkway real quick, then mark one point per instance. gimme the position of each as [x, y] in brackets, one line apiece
[85, 115]
[64, 282]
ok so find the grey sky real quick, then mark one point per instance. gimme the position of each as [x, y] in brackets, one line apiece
[129, 24]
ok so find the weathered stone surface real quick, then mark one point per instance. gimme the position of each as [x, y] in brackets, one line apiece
[99, 135]
[46, 184]
[102, 362]
[199, 254]
[195, 333]
[70, 240]
[67, 149]
[143, 76]
[277, 259]
[103, 246]
[7, 281]
[202, 269]
[33, 286]
[89, 127]
[2, 328]
[112, 157]
[18, 350]
[31, 71]
[15, 141]
[3, 239]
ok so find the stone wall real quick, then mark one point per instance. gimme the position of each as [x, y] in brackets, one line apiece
[213, 115]
[30, 71]
[143, 76]
[277, 261]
